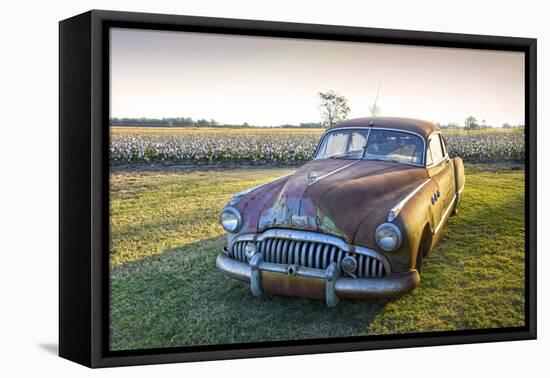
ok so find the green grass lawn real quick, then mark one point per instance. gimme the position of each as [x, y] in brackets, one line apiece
[167, 292]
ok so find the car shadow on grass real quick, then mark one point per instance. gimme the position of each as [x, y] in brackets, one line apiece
[180, 298]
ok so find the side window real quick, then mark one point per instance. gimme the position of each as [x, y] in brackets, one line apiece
[443, 145]
[429, 159]
[436, 149]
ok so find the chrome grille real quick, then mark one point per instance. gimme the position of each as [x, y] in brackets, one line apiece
[308, 254]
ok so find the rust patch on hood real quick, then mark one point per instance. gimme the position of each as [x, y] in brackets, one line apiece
[337, 202]
[290, 207]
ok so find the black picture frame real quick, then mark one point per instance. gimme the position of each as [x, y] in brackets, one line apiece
[83, 182]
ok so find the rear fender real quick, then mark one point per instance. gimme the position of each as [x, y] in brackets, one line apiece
[460, 181]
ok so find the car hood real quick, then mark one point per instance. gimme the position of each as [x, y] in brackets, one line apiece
[333, 196]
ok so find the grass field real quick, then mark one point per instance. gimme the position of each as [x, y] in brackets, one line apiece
[166, 291]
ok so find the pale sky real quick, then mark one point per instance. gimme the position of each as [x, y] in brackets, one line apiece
[272, 81]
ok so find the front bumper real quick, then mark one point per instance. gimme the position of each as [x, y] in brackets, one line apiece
[295, 280]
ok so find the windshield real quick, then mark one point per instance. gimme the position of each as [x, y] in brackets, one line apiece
[380, 144]
[394, 146]
[343, 144]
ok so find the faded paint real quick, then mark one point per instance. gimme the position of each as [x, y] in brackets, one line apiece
[336, 204]
[350, 198]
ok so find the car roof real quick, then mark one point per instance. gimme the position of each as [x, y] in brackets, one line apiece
[423, 128]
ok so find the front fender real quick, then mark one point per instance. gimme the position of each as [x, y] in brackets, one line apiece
[416, 215]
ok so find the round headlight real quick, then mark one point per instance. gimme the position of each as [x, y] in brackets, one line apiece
[231, 219]
[388, 237]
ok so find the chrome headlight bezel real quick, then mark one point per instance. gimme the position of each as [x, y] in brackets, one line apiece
[231, 210]
[392, 228]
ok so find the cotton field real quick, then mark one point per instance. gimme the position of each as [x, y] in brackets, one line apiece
[280, 148]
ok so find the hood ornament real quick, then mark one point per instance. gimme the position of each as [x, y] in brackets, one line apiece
[311, 178]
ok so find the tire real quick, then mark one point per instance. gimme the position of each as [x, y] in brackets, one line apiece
[423, 249]
[419, 258]
[454, 211]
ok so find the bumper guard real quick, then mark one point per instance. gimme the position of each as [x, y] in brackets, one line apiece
[336, 287]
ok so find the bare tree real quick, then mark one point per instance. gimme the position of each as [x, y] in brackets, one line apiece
[334, 108]
[470, 123]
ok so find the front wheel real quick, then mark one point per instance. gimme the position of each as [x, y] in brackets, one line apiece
[423, 248]
[419, 259]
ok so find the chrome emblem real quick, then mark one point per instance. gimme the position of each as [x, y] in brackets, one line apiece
[311, 178]
[299, 220]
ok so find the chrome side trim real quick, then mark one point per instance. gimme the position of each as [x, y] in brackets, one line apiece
[315, 237]
[335, 171]
[394, 211]
[461, 189]
[441, 221]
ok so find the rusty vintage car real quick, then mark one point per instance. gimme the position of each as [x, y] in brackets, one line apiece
[355, 222]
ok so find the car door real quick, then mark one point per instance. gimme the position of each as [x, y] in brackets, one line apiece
[440, 170]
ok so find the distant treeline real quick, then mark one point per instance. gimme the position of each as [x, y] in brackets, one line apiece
[189, 122]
